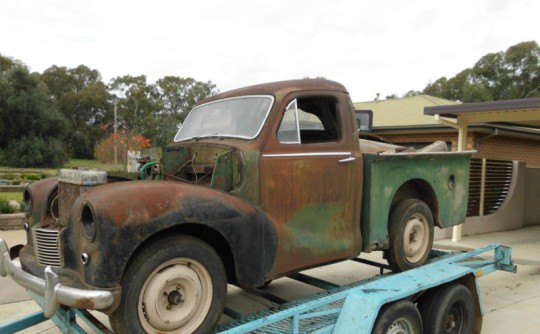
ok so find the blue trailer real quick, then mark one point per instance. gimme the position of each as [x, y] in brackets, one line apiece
[439, 297]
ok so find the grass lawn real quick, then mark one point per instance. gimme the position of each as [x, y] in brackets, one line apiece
[18, 196]
[16, 173]
[93, 164]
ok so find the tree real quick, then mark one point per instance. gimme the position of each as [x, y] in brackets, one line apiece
[6, 63]
[513, 74]
[104, 150]
[178, 96]
[138, 104]
[391, 97]
[412, 93]
[155, 111]
[27, 116]
[80, 95]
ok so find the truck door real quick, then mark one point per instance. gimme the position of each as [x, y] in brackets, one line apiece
[310, 173]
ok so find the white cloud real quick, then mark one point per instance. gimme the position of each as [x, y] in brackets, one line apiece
[385, 46]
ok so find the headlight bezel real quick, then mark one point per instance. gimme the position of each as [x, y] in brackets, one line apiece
[27, 201]
[88, 221]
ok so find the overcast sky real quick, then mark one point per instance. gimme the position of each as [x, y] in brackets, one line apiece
[370, 46]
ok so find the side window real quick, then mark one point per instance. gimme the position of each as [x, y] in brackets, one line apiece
[289, 132]
[309, 120]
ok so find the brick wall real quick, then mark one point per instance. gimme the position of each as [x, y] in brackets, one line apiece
[506, 148]
[14, 221]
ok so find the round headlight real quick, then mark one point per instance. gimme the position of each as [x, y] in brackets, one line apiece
[27, 200]
[88, 222]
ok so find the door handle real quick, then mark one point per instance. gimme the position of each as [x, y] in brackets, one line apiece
[349, 159]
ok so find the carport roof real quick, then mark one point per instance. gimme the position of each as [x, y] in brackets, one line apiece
[522, 112]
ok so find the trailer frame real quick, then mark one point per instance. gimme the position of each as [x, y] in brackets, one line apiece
[351, 308]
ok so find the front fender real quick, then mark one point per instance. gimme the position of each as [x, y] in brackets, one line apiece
[128, 214]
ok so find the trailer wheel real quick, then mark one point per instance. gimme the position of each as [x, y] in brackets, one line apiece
[177, 284]
[411, 235]
[448, 309]
[397, 318]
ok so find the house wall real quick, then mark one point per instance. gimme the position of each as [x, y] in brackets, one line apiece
[531, 209]
[506, 148]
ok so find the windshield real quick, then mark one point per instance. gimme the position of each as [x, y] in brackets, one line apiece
[239, 117]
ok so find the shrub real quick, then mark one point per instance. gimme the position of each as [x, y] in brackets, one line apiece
[104, 150]
[6, 207]
[31, 177]
[35, 152]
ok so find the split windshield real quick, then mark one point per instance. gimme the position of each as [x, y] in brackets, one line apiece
[240, 117]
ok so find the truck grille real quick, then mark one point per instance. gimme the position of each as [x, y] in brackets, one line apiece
[46, 246]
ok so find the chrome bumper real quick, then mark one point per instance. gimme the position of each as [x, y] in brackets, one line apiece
[52, 291]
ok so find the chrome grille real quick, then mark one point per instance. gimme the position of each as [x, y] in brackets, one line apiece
[46, 246]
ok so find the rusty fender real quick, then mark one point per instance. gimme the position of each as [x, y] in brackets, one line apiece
[128, 214]
[41, 192]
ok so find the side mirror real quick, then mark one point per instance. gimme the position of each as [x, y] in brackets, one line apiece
[364, 120]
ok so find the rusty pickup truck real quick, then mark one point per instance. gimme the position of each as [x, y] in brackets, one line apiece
[259, 183]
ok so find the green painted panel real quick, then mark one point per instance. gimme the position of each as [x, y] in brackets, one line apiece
[222, 177]
[174, 157]
[384, 175]
[246, 176]
[317, 230]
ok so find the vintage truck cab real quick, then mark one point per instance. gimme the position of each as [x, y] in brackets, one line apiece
[259, 183]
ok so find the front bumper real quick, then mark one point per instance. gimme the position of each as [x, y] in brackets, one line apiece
[54, 293]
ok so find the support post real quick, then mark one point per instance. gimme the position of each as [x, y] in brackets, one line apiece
[462, 146]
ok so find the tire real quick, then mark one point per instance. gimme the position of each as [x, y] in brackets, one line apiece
[448, 309]
[266, 284]
[175, 285]
[411, 235]
[398, 317]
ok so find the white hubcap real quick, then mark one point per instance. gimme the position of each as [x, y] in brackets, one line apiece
[176, 295]
[415, 238]
[400, 326]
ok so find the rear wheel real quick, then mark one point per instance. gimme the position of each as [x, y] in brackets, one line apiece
[400, 317]
[448, 309]
[176, 285]
[411, 235]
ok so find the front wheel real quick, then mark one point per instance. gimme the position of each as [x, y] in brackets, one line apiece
[175, 285]
[411, 235]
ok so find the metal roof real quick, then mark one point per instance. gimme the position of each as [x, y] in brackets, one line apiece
[522, 112]
[404, 112]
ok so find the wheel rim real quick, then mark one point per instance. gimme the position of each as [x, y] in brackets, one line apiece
[401, 326]
[454, 319]
[177, 295]
[416, 238]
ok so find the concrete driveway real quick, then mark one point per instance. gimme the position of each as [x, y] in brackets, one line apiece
[511, 301]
